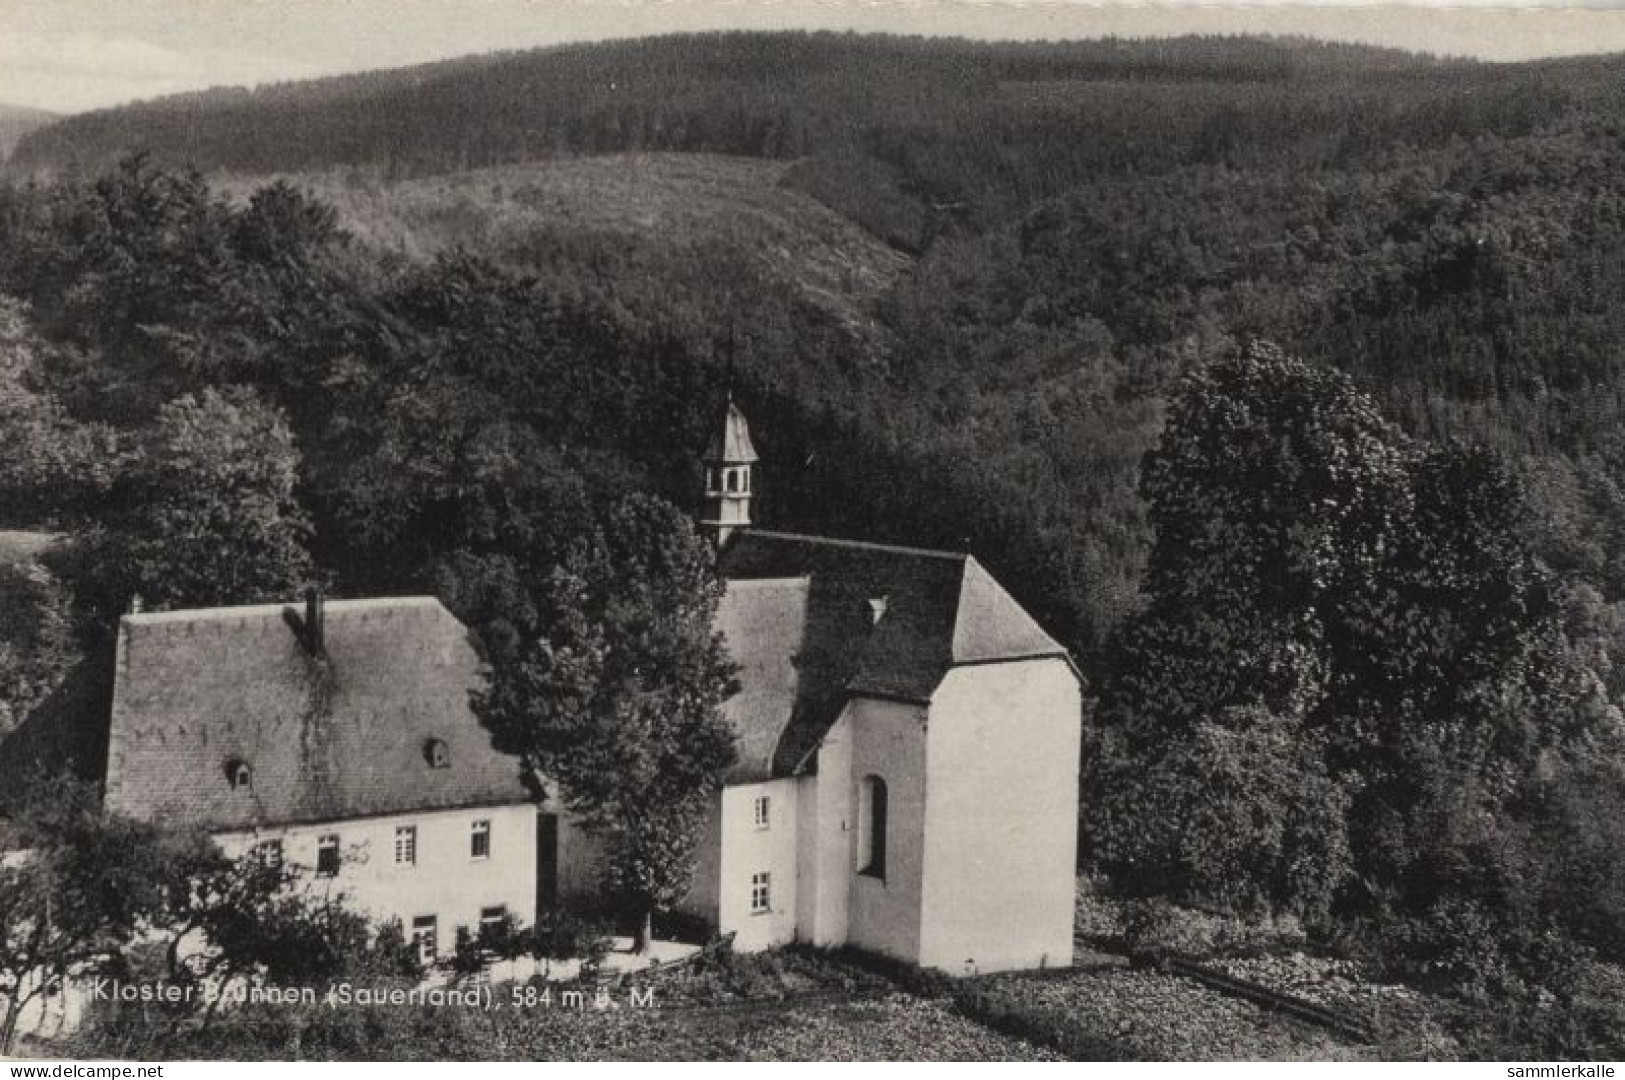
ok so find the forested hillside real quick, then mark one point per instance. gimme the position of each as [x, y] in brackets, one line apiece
[15, 122]
[962, 291]
[1084, 220]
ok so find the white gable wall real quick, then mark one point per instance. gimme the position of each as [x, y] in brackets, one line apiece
[1001, 818]
[445, 881]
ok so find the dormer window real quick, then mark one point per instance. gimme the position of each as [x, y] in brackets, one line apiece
[238, 774]
[437, 754]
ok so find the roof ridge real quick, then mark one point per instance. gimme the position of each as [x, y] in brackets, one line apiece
[800, 581]
[250, 611]
[863, 545]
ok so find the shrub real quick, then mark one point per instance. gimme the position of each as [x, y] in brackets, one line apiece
[570, 934]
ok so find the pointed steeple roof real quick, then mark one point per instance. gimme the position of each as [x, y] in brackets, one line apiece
[731, 444]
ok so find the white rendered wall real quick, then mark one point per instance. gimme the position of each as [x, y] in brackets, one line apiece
[825, 855]
[888, 740]
[1001, 818]
[747, 850]
[445, 881]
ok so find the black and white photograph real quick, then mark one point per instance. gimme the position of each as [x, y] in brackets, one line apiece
[812, 531]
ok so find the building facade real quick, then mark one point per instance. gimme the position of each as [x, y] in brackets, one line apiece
[337, 738]
[906, 782]
[908, 742]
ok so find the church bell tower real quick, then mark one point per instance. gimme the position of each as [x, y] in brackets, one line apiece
[727, 461]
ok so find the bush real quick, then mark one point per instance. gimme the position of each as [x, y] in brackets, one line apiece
[1585, 1022]
[569, 934]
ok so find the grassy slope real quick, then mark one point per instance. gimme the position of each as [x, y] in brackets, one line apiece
[638, 217]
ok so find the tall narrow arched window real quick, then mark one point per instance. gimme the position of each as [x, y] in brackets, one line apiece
[872, 827]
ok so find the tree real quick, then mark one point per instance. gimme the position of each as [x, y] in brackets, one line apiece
[37, 647]
[50, 465]
[1238, 811]
[74, 890]
[613, 693]
[256, 917]
[1354, 621]
[204, 512]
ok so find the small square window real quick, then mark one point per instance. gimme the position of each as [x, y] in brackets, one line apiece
[479, 840]
[764, 811]
[426, 936]
[491, 918]
[761, 893]
[406, 845]
[269, 852]
[327, 855]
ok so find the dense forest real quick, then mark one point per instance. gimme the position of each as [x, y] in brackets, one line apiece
[1083, 221]
[1003, 298]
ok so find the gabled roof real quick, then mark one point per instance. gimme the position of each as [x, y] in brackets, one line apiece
[764, 623]
[323, 739]
[731, 443]
[875, 620]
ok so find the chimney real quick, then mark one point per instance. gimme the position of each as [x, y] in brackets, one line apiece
[308, 629]
[315, 617]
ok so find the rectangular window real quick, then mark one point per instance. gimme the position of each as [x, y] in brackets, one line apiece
[479, 840]
[327, 855]
[764, 811]
[406, 845]
[491, 918]
[425, 935]
[269, 852]
[761, 893]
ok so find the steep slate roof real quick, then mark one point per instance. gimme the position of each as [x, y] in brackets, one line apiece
[343, 738]
[936, 610]
[732, 443]
[765, 625]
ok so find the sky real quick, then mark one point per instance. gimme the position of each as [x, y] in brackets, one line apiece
[74, 55]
